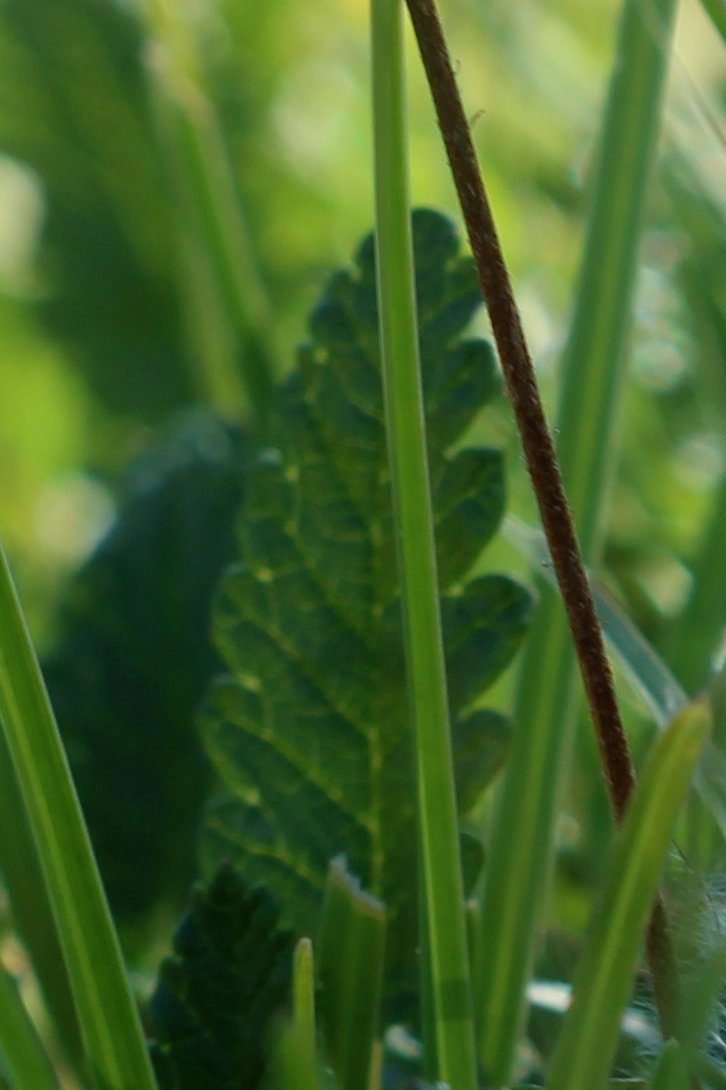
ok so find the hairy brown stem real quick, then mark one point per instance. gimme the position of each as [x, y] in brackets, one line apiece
[541, 459]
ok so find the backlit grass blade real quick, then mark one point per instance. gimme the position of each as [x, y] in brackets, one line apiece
[446, 981]
[115, 1050]
[210, 217]
[351, 948]
[33, 917]
[604, 977]
[593, 370]
[20, 1045]
[303, 995]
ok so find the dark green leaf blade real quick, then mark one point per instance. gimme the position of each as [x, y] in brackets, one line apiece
[133, 657]
[218, 996]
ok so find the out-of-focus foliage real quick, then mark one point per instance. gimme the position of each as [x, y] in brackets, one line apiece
[132, 658]
[99, 342]
[214, 1008]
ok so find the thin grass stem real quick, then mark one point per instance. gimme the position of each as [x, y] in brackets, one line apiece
[446, 979]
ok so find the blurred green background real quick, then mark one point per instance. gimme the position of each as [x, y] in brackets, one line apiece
[108, 318]
[118, 120]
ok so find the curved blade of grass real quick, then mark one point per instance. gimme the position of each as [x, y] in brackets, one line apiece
[593, 369]
[209, 201]
[604, 977]
[115, 1049]
[19, 1042]
[446, 982]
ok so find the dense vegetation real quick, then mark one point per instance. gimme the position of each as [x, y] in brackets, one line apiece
[204, 509]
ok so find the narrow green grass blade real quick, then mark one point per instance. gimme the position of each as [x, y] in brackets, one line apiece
[292, 1064]
[604, 977]
[446, 980]
[115, 1049]
[593, 369]
[209, 201]
[303, 994]
[19, 1043]
[351, 949]
[671, 1072]
[33, 916]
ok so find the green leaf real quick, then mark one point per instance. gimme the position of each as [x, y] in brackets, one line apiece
[219, 995]
[73, 106]
[134, 657]
[309, 732]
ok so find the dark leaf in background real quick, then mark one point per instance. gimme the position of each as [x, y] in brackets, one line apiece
[217, 998]
[309, 732]
[74, 108]
[133, 658]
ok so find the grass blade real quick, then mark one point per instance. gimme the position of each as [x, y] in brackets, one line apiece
[351, 950]
[446, 983]
[605, 971]
[303, 995]
[593, 368]
[115, 1049]
[32, 912]
[19, 1042]
[671, 1072]
[210, 204]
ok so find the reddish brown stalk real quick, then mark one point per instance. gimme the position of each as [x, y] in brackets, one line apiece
[540, 456]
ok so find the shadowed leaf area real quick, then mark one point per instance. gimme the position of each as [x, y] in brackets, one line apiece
[217, 997]
[133, 658]
[309, 729]
[74, 108]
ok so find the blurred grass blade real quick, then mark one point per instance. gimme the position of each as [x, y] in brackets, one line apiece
[640, 665]
[446, 978]
[32, 913]
[701, 1007]
[20, 1045]
[592, 376]
[303, 994]
[209, 203]
[351, 948]
[716, 10]
[604, 976]
[115, 1049]
[695, 642]
[647, 675]
[671, 1072]
[292, 1064]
